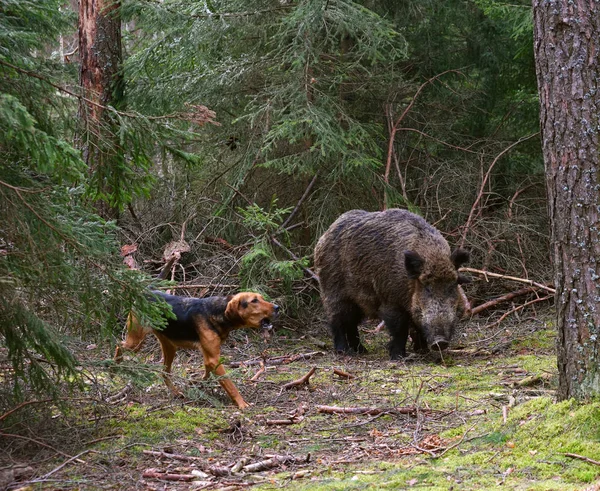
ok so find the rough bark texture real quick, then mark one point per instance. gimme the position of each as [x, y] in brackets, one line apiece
[567, 43]
[101, 57]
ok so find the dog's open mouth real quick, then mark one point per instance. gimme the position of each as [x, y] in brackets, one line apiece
[266, 324]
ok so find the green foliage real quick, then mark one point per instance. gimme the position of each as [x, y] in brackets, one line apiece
[60, 271]
[260, 265]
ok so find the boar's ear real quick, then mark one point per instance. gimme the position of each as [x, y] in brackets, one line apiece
[463, 279]
[459, 257]
[413, 263]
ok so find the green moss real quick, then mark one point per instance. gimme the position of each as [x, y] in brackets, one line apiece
[139, 426]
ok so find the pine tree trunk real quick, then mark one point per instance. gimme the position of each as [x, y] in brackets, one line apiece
[101, 57]
[567, 51]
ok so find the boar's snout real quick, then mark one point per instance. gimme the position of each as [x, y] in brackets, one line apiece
[439, 344]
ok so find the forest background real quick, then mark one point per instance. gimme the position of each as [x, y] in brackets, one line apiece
[319, 107]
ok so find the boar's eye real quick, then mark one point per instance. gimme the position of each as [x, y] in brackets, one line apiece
[244, 304]
[255, 300]
[428, 289]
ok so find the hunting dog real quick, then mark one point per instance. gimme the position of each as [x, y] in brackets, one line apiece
[203, 324]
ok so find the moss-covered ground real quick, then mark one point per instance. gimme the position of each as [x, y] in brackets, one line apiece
[483, 417]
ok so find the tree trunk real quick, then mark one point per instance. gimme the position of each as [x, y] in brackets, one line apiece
[101, 82]
[567, 52]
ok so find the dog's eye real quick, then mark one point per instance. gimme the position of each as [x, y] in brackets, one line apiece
[255, 300]
[244, 304]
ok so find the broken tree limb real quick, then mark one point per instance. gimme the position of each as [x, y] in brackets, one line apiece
[342, 374]
[165, 476]
[284, 422]
[301, 381]
[503, 298]
[487, 274]
[275, 461]
[276, 360]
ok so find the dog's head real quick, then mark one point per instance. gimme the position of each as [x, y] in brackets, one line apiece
[248, 309]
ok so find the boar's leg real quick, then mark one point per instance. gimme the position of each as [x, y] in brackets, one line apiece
[344, 327]
[397, 324]
[418, 339]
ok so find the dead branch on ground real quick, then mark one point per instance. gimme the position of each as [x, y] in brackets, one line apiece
[301, 381]
[277, 360]
[342, 374]
[275, 461]
[581, 457]
[166, 476]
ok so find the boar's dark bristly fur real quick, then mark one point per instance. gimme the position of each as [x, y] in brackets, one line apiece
[394, 266]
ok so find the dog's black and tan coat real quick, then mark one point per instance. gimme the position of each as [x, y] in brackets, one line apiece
[203, 324]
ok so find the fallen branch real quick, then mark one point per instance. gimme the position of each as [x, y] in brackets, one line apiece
[344, 375]
[165, 476]
[301, 381]
[283, 422]
[371, 411]
[277, 360]
[275, 461]
[503, 298]
[581, 457]
[487, 274]
[260, 371]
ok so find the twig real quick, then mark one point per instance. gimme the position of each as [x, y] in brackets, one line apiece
[66, 462]
[283, 422]
[581, 457]
[484, 181]
[487, 274]
[516, 309]
[260, 371]
[174, 456]
[300, 201]
[301, 381]
[41, 444]
[345, 375]
[371, 411]
[309, 271]
[503, 298]
[23, 404]
[277, 360]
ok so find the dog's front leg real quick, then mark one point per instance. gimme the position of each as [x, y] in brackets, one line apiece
[212, 353]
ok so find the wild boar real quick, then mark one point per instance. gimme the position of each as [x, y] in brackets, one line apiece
[394, 266]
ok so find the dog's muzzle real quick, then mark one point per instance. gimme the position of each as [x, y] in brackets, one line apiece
[267, 323]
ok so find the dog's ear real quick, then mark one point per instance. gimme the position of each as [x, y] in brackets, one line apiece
[232, 311]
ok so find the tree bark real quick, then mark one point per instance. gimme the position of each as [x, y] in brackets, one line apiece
[102, 85]
[567, 47]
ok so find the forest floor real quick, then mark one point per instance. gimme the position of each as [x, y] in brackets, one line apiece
[484, 416]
